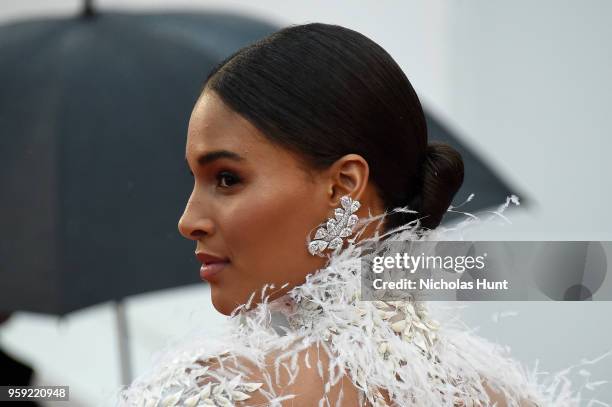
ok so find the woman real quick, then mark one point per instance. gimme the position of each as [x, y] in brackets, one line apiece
[317, 122]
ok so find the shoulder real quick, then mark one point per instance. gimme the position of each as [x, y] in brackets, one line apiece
[293, 377]
[290, 377]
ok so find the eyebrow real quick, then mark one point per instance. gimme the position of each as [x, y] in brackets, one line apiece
[208, 158]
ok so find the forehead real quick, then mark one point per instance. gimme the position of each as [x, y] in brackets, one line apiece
[214, 126]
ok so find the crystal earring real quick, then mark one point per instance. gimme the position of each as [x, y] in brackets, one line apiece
[330, 236]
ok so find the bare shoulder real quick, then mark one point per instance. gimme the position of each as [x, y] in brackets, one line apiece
[499, 400]
[300, 377]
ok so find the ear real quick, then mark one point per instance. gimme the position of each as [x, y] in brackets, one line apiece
[347, 176]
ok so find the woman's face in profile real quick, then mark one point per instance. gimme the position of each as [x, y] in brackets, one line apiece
[252, 204]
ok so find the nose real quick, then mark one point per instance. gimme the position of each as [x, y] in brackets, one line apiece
[193, 224]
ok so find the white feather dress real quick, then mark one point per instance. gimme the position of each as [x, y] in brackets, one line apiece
[396, 347]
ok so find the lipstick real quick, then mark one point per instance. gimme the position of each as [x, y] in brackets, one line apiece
[207, 271]
[211, 265]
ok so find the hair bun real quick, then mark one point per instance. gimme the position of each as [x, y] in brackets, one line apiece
[441, 177]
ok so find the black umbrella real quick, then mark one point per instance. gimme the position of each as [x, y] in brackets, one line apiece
[93, 114]
[490, 189]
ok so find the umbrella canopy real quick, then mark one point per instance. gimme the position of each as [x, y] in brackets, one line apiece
[94, 113]
[490, 188]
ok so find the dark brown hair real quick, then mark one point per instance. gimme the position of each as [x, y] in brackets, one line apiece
[325, 91]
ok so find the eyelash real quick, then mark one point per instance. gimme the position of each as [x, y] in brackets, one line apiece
[222, 175]
[227, 174]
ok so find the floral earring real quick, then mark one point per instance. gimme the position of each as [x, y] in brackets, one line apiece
[330, 236]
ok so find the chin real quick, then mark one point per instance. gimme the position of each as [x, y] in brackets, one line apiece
[223, 302]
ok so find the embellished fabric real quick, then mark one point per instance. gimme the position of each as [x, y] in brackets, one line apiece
[390, 350]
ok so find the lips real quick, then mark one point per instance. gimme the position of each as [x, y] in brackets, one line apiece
[211, 265]
[209, 258]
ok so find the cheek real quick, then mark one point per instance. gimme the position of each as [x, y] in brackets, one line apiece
[268, 233]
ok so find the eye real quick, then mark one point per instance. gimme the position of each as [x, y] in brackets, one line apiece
[226, 179]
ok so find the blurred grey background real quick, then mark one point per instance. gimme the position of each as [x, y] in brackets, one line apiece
[526, 84]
